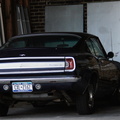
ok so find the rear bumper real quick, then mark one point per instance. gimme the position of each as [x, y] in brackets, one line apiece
[46, 83]
[49, 79]
[51, 88]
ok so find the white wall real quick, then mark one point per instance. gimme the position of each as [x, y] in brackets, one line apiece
[104, 21]
[67, 18]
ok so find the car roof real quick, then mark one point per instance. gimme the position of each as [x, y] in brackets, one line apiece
[78, 34]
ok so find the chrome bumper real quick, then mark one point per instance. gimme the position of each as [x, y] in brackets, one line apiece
[4, 80]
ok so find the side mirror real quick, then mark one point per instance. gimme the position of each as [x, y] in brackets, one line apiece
[110, 55]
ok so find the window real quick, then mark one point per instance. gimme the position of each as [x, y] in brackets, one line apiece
[95, 47]
[51, 41]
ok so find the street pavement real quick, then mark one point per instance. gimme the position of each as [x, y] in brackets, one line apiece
[25, 111]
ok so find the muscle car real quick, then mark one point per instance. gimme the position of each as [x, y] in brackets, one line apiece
[49, 67]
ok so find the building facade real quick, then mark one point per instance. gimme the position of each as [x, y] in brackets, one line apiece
[14, 18]
[28, 16]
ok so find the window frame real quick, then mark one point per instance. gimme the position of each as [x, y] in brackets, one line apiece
[93, 50]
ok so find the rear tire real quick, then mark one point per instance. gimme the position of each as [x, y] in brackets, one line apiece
[85, 102]
[3, 109]
[116, 97]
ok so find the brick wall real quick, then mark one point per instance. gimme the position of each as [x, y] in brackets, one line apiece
[37, 11]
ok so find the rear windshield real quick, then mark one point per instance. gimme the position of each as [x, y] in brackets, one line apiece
[43, 42]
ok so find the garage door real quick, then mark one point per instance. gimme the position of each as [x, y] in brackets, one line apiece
[104, 21]
[67, 18]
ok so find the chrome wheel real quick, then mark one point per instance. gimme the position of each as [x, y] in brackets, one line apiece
[85, 103]
[91, 97]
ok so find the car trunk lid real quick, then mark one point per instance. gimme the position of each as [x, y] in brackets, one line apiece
[35, 61]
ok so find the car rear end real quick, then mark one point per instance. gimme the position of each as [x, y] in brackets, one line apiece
[42, 71]
[35, 74]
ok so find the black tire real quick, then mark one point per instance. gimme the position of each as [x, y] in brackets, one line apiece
[116, 97]
[3, 109]
[85, 102]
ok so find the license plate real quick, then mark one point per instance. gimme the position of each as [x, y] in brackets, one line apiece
[22, 87]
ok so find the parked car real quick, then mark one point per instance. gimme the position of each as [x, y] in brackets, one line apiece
[46, 67]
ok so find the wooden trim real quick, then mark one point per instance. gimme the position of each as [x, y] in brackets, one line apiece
[26, 3]
[20, 2]
[2, 27]
[8, 19]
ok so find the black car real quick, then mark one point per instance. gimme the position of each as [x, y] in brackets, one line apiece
[50, 67]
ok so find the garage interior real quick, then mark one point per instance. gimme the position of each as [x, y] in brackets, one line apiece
[99, 17]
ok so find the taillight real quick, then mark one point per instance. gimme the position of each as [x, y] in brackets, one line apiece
[69, 64]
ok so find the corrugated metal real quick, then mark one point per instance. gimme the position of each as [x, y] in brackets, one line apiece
[23, 20]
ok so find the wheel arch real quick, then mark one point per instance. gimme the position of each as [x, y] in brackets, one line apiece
[87, 77]
[94, 80]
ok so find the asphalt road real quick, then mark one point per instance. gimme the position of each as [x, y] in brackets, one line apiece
[25, 111]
